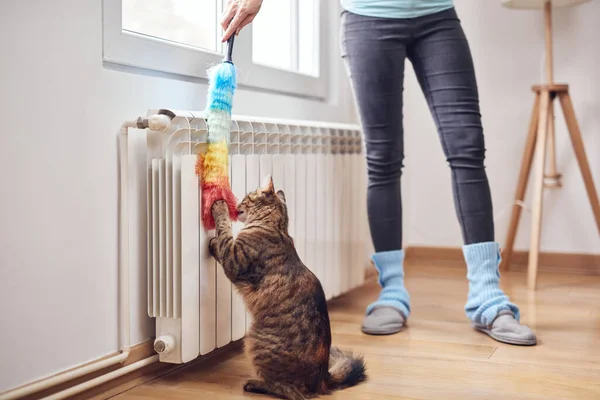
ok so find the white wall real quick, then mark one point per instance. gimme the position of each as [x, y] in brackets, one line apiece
[507, 47]
[60, 111]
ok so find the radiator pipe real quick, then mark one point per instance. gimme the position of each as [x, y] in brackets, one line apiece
[82, 387]
[124, 300]
[64, 377]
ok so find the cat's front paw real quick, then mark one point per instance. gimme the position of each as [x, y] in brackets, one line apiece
[212, 247]
[219, 208]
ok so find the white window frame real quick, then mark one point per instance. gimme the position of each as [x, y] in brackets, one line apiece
[136, 50]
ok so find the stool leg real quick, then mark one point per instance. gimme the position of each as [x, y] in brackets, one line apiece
[538, 187]
[552, 174]
[522, 184]
[578, 147]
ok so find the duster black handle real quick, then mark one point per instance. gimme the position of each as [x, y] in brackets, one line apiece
[229, 49]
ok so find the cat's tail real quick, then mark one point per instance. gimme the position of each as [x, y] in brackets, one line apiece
[345, 369]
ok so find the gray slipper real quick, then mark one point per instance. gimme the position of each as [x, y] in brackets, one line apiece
[505, 328]
[383, 320]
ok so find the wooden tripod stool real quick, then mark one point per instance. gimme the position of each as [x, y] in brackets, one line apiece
[541, 134]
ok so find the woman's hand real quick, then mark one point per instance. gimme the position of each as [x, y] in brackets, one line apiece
[238, 14]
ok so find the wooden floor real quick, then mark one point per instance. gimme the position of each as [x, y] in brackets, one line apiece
[439, 356]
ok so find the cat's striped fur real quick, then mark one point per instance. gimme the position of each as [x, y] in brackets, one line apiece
[289, 342]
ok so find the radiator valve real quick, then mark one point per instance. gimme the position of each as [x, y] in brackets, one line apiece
[164, 344]
[158, 122]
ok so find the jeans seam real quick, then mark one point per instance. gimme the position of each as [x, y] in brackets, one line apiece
[430, 100]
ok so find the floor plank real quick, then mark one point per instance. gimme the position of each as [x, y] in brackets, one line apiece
[439, 355]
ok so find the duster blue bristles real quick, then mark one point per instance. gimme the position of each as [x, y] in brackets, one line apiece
[222, 85]
[213, 167]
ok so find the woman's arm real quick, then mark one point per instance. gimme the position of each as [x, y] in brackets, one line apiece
[238, 14]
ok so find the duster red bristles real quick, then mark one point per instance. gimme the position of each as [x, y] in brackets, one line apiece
[212, 192]
[213, 167]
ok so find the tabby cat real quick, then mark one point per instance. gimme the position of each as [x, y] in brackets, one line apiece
[289, 342]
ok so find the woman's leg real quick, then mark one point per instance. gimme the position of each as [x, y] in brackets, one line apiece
[374, 50]
[442, 62]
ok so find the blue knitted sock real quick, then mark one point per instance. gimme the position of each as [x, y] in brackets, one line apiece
[485, 299]
[390, 265]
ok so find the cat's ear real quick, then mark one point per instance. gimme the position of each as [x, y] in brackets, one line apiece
[267, 186]
[281, 195]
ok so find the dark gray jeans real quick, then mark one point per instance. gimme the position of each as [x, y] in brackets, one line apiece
[374, 50]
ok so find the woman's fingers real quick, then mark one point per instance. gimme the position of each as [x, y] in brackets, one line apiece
[240, 15]
[229, 13]
[245, 22]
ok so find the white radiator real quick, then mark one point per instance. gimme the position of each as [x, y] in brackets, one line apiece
[319, 167]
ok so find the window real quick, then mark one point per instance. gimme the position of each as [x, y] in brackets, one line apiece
[187, 22]
[280, 51]
[285, 35]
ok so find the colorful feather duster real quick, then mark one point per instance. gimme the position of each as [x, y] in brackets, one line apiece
[213, 167]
